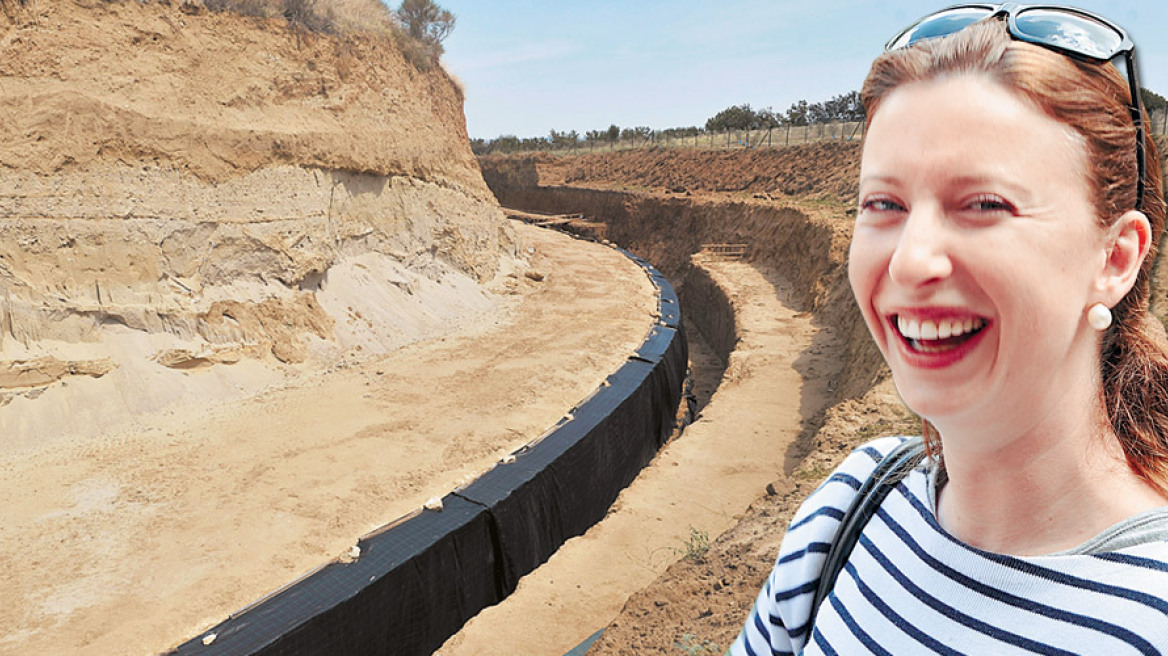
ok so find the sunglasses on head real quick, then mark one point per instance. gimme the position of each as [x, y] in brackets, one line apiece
[1072, 32]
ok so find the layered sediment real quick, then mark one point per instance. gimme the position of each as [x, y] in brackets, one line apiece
[226, 189]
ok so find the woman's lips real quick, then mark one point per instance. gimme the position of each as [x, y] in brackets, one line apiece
[937, 342]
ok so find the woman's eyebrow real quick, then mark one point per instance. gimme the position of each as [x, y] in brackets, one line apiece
[884, 178]
[1016, 190]
[962, 180]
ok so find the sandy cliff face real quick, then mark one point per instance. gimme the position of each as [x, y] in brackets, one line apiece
[214, 189]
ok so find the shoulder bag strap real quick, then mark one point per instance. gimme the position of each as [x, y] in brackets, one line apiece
[892, 468]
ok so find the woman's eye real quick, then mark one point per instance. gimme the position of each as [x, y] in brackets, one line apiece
[988, 203]
[881, 205]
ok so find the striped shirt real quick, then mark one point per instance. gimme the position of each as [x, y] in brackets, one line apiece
[911, 588]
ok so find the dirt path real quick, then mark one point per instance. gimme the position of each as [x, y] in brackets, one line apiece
[131, 543]
[701, 481]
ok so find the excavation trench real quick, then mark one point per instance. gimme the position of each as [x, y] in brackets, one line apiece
[806, 253]
[778, 327]
[699, 605]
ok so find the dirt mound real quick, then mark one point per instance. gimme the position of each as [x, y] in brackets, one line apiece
[230, 187]
[828, 169]
[219, 95]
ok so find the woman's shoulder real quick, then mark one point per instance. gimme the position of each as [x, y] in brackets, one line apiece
[832, 498]
[814, 524]
[788, 593]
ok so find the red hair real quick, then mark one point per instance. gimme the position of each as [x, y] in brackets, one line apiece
[1093, 100]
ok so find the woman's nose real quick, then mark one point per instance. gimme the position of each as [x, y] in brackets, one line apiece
[921, 256]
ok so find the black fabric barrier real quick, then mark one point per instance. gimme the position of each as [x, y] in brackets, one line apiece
[657, 343]
[567, 483]
[671, 311]
[417, 582]
[412, 586]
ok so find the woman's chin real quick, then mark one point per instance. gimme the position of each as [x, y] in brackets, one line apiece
[931, 402]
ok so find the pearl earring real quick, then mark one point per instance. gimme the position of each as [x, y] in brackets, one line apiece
[1099, 316]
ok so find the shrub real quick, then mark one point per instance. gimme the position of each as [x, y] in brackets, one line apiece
[694, 549]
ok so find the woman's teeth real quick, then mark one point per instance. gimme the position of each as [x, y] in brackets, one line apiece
[929, 330]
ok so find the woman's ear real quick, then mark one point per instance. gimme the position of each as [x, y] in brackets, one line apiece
[1129, 240]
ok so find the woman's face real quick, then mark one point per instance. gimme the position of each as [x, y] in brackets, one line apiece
[976, 253]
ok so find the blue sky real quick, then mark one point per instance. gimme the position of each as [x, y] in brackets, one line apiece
[529, 67]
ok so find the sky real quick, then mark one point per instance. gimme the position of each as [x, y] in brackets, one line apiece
[530, 66]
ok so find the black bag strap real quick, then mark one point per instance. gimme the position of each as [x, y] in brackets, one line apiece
[891, 469]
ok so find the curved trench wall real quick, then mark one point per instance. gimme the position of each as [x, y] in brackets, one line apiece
[810, 252]
[715, 316]
[416, 582]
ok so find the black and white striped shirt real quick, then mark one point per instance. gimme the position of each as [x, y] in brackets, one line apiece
[911, 588]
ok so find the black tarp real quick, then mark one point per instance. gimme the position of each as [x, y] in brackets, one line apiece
[412, 586]
[567, 482]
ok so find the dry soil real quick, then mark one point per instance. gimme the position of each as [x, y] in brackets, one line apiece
[127, 543]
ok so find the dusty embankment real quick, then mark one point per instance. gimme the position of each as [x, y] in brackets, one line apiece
[133, 542]
[255, 301]
[228, 189]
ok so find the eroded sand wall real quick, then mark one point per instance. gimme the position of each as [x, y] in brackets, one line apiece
[776, 171]
[224, 188]
[159, 251]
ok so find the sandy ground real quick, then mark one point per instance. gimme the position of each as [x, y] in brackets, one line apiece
[775, 380]
[129, 543]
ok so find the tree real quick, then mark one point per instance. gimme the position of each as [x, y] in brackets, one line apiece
[851, 107]
[1153, 102]
[798, 114]
[426, 23]
[767, 118]
[738, 117]
[818, 113]
[613, 133]
[564, 139]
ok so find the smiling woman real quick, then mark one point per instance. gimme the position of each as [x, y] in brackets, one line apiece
[1009, 206]
[1018, 260]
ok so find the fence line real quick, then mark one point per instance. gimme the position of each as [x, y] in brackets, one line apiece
[763, 138]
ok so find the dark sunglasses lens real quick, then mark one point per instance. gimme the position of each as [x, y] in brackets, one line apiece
[942, 24]
[1076, 33]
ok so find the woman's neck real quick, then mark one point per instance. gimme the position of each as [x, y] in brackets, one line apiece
[1047, 489]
